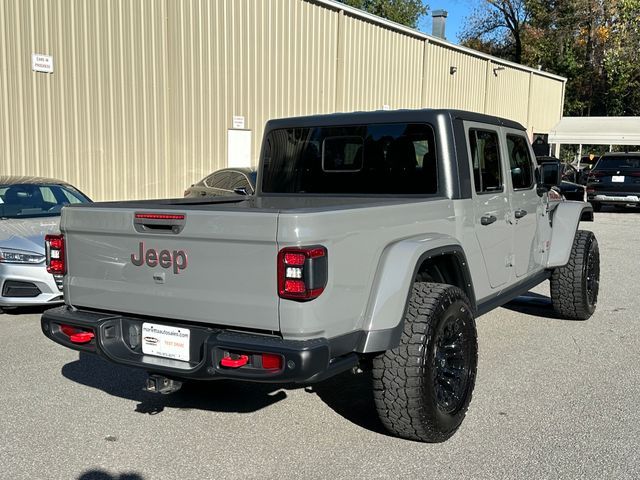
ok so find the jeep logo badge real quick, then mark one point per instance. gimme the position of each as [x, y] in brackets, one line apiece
[176, 259]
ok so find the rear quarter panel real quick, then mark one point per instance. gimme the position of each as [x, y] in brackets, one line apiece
[356, 240]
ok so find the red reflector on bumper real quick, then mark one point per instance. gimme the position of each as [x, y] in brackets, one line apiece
[271, 361]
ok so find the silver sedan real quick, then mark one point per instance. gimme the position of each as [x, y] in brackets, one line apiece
[30, 208]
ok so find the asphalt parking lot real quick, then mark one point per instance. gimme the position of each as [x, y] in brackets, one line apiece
[553, 399]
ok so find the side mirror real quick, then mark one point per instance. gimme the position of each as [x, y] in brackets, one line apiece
[549, 174]
[241, 191]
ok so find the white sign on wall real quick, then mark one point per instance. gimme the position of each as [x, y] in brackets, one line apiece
[238, 122]
[41, 63]
[238, 148]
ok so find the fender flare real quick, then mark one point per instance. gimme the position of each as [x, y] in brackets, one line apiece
[565, 219]
[389, 298]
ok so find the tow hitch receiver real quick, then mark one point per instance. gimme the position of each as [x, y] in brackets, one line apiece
[160, 384]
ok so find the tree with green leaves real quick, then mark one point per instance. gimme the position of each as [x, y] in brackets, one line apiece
[405, 12]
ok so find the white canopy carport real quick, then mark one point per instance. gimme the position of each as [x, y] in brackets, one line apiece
[595, 131]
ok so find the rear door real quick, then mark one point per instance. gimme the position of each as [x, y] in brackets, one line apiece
[491, 202]
[215, 267]
[525, 202]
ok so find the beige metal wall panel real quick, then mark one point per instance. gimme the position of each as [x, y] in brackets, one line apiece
[546, 104]
[97, 121]
[507, 93]
[380, 67]
[143, 92]
[463, 89]
[256, 59]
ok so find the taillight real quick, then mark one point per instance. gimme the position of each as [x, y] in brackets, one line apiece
[54, 247]
[302, 272]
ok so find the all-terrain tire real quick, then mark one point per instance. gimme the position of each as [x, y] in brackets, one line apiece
[422, 388]
[574, 287]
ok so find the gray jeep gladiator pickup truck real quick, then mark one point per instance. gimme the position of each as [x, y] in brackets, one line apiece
[374, 240]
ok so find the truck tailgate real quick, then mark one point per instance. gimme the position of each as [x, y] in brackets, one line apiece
[214, 267]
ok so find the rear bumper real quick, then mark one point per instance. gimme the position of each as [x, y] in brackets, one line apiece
[614, 197]
[118, 339]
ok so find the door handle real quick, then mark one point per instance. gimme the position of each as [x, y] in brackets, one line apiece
[487, 219]
[520, 213]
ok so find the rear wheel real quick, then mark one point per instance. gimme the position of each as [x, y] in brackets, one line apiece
[575, 287]
[422, 388]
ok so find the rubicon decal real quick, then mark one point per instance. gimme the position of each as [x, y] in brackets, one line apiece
[175, 260]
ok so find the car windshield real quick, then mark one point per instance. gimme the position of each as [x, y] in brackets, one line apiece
[619, 162]
[29, 200]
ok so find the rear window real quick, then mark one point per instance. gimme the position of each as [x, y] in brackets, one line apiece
[619, 162]
[397, 158]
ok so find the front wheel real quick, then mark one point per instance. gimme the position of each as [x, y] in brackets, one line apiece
[422, 388]
[575, 287]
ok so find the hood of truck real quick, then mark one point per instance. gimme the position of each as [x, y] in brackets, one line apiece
[219, 269]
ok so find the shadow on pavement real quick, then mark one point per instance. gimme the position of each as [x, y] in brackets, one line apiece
[123, 382]
[102, 475]
[351, 396]
[347, 394]
[533, 304]
[26, 310]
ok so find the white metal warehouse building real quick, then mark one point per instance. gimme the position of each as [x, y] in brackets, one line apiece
[139, 99]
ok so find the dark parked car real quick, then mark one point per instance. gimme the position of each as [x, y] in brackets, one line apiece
[615, 180]
[228, 181]
[569, 187]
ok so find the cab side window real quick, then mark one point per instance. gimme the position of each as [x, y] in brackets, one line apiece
[520, 162]
[485, 157]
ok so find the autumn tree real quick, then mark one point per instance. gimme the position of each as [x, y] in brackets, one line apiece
[406, 12]
[594, 43]
[497, 26]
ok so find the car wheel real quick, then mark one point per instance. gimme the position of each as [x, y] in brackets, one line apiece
[575, 287]
[422, 388]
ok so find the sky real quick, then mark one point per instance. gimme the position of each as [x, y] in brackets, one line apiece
[458, 10]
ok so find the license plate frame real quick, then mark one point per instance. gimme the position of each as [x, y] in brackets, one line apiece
[166, 341]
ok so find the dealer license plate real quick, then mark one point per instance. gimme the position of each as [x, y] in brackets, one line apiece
[165, 341]
[617, 178]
